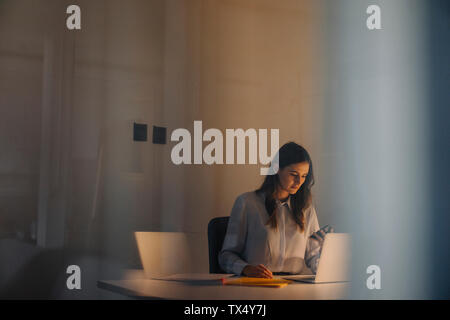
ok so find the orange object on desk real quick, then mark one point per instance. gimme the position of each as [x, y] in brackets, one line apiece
[257, 282]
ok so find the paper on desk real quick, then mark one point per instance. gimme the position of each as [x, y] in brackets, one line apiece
[194, 276]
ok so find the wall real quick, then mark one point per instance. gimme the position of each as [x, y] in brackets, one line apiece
[20, 127]
[243, 65]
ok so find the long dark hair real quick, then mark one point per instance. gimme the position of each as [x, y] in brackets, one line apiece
[288, 154]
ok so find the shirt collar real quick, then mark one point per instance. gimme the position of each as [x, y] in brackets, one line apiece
[278, 202]
[288, 202]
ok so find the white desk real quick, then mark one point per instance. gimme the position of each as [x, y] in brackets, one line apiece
[139, 287]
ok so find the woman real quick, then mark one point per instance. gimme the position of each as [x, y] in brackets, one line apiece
[275, 228]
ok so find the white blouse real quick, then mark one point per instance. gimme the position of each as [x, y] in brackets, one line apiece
[249, 241]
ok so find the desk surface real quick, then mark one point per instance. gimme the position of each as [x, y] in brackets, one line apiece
[160, 289]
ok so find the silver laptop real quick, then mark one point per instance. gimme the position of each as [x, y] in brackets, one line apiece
[334, 263]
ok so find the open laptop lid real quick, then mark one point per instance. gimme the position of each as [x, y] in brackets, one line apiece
[335, 259]
[164, 253]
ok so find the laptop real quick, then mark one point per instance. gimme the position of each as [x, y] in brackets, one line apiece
[163, 253]
[334, 263]
[170, 255]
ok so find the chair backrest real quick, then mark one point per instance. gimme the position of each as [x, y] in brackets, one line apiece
[217, 228]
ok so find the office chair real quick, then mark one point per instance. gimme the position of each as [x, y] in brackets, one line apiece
[217, 228]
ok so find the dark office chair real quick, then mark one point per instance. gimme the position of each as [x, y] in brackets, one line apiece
[217, 228]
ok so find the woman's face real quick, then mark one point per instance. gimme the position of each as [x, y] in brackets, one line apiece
[293, 176]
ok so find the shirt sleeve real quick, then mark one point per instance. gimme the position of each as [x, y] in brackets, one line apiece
[234, 243]
[313, 248]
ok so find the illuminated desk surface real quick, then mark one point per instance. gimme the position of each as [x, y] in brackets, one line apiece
[142, 288]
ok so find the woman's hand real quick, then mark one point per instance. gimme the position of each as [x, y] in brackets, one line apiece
[259, 271]
[320, 235]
